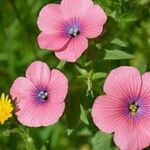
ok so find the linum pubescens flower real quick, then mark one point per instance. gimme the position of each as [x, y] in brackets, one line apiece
[125, 109]
[65, 28]
[6, 108]
[40, 95]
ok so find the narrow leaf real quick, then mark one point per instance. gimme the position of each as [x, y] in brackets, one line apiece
[119, 43]
[98, 75]
[103, 141]
[83, 116]
[116, 55]
[81, 70]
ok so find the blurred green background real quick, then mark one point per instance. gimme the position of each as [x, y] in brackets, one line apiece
[124, 41]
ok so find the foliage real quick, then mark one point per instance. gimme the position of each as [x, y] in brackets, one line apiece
[124, 41]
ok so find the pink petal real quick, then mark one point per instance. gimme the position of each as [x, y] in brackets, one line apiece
[107, 113]
[132, 135]
[145, 91]
[22, 89]
[40, 115]
[39, 73]
[52, 42]
[58, 87]
[123, 82]
[74, 50]
[50, 19]
[93, 21]
[75, 8]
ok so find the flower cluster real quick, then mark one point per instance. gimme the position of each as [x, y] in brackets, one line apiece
[40, 96]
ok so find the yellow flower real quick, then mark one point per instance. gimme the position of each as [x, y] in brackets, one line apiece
[5, 108]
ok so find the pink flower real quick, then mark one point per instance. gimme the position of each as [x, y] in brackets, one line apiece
[66, 27]
[40, 95]
[125, 109]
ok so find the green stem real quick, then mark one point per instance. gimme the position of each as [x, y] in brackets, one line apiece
[89, 84]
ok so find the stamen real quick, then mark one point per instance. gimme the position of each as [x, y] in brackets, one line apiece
[43, 95]
[74, 32]
[133, 108]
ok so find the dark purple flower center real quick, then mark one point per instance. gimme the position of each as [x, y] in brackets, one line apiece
[43, 95]
[73, 32]
[72, 27]
[133, 108]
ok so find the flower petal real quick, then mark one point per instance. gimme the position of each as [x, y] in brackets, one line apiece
[39, 73]
[107, 113]
[144, 99]
[52, 42]
[93, 22]
[50, 19]
[74, 50]
[123, 82]
[22, 89]
[145, 91]
[58, 87]
[132, 135]
[40, 115]
[75, 8]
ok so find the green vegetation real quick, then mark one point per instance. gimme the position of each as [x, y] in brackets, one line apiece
[125, 41]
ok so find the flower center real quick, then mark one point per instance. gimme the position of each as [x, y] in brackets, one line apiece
[133, 108]
[74, 32]
[43, 95]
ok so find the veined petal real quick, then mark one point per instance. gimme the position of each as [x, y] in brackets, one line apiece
[22, 89]
[107, 113]
[57, 87]
[39, 73]
[52, 42]
[145, 91]
[132, 135]
[50, 19]
[93, 22]
[123, 82]
[40, 115]
[75, 8]
[74, 49]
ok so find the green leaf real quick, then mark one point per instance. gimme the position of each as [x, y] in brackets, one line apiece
[116, 55]
[119, 43]
[83, 116]
[98, 75]
[113, 14]
[81, 70]
[103, 141]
